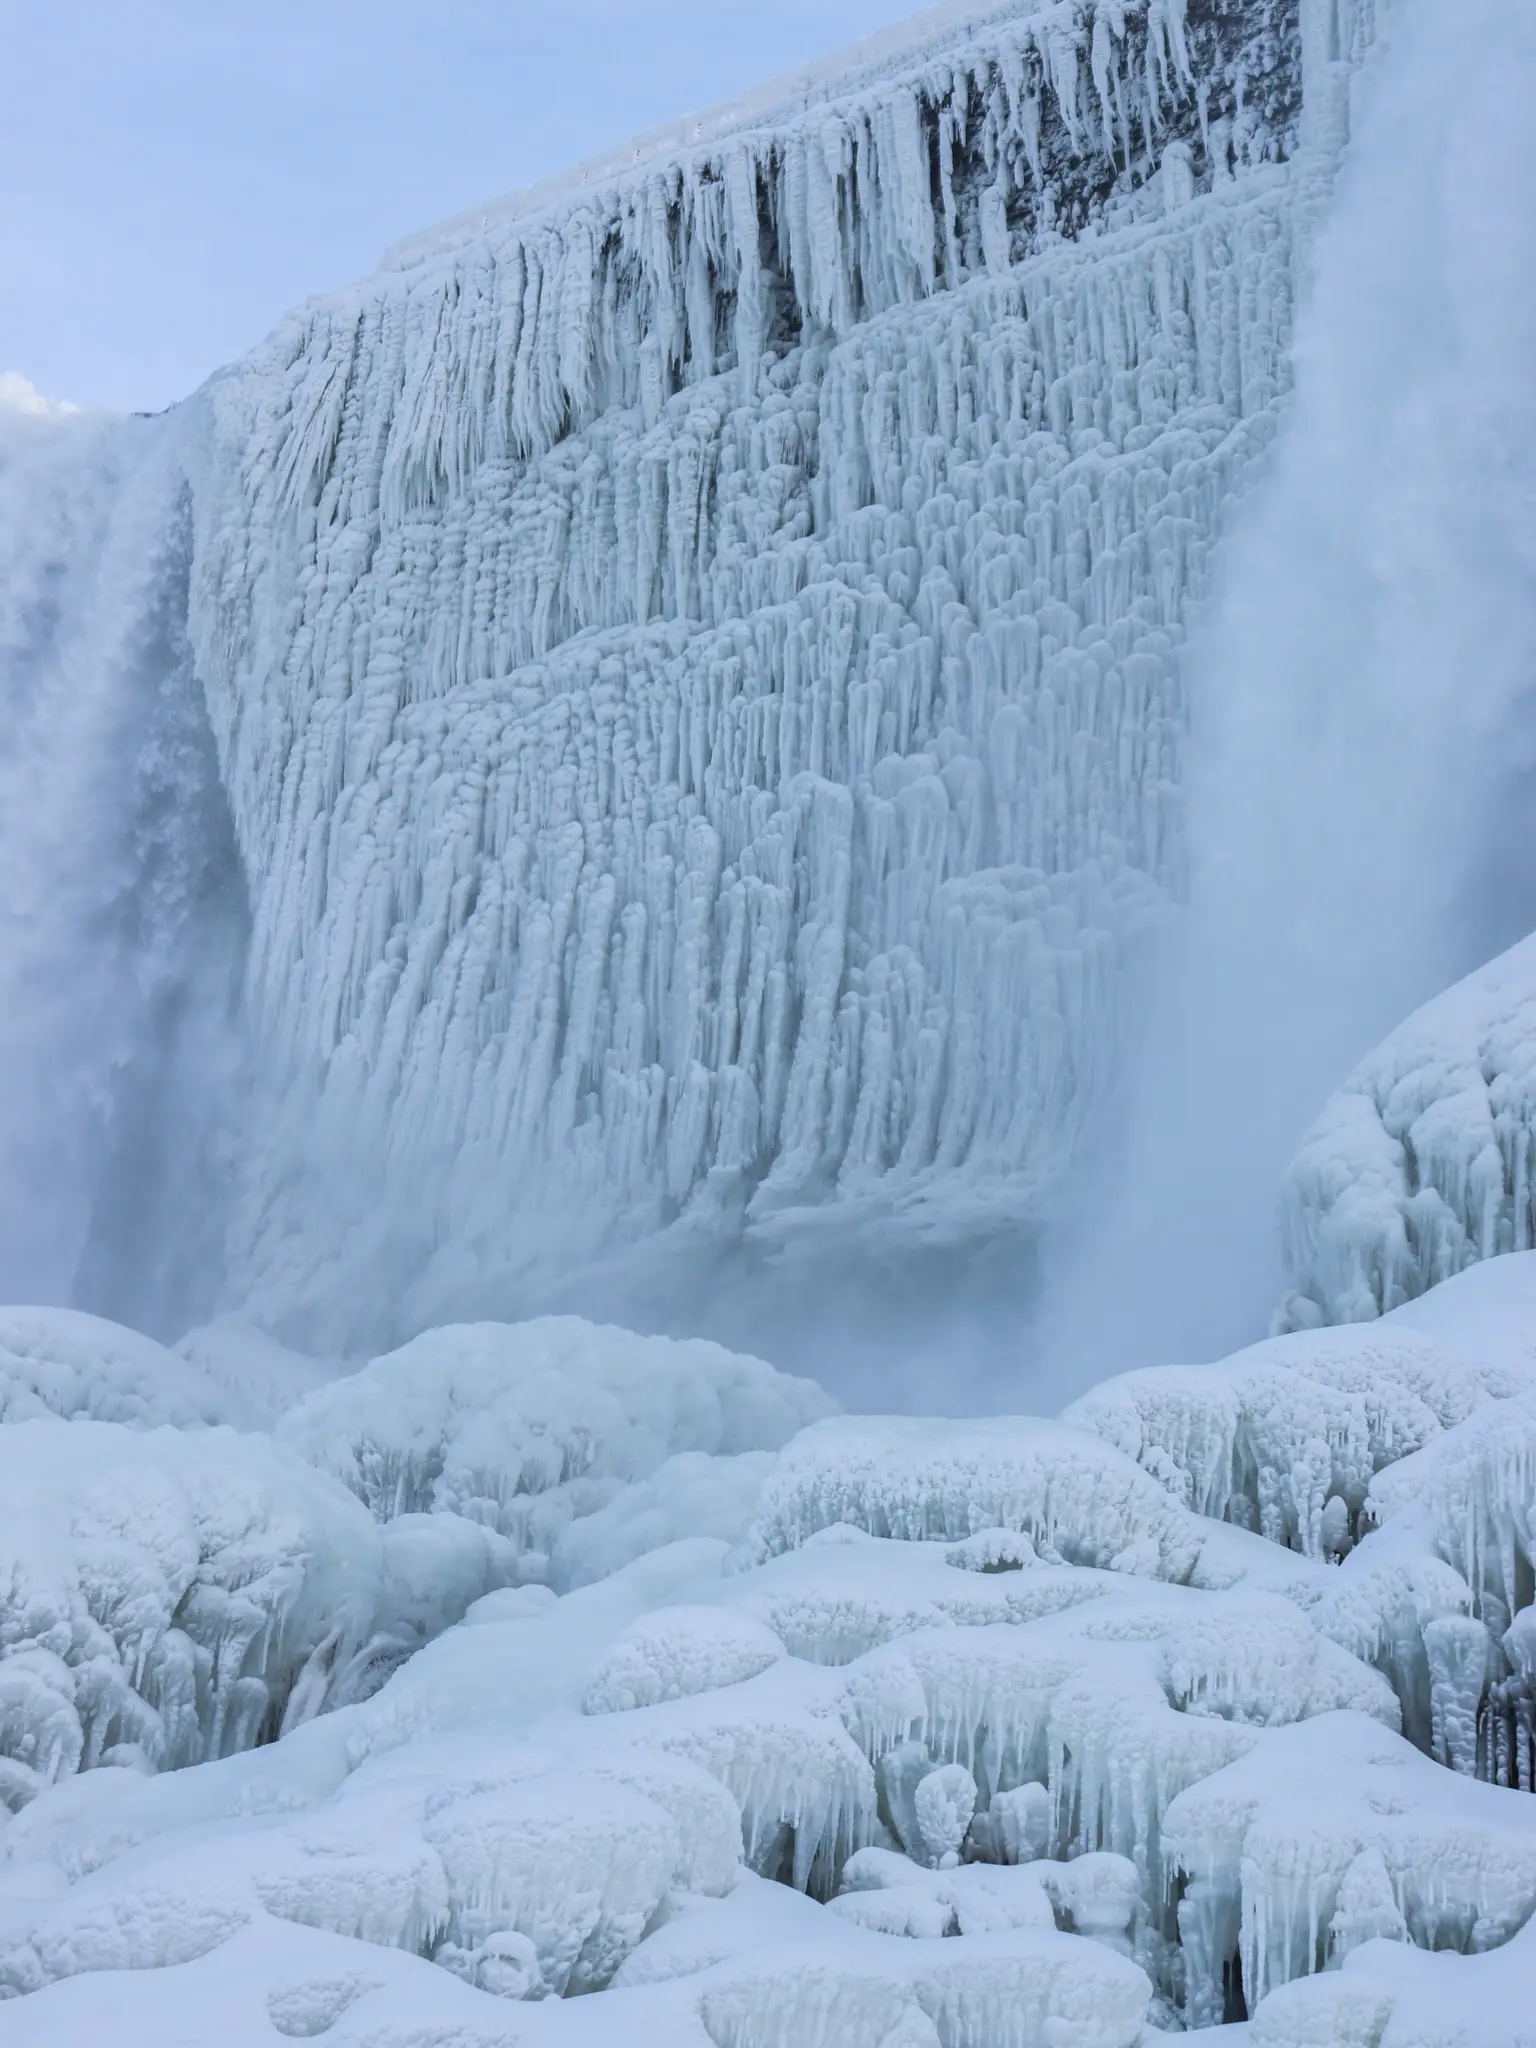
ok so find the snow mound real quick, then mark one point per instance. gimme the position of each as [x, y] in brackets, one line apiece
[529, 1427]
[1421, 1164]
[56, 1361]
[679, 1651]
[166, 1598]
[692, 1494]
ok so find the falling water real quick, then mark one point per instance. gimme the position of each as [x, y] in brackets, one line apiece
[1361, 699]
[120, 906]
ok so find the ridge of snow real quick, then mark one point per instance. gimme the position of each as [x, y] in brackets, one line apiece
[905, 48]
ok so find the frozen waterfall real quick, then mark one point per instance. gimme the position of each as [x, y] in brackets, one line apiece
[695, 658]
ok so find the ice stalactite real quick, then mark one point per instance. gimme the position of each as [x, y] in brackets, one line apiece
[695, 655]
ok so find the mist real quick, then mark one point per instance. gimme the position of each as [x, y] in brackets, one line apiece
[1361, 722]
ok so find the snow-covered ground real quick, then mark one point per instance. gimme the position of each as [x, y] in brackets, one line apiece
[543, 1660]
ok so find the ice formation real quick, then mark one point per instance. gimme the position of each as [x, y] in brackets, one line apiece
[668, 701]
[1003, 1733]
[1421, 1164]
[530, 1430]
[172, 1596]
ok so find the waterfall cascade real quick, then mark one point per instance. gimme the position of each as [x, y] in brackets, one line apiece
[121, 905]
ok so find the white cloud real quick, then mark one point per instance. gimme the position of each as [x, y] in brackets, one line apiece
[18, 394]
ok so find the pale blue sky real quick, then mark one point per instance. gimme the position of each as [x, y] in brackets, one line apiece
[176, 173]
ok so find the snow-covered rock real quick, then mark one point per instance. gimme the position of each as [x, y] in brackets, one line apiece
[1287, 1436]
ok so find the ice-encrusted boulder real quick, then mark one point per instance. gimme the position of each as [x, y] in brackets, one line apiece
[530, 1428]
[1422, 1163]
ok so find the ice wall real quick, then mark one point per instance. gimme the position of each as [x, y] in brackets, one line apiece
[121, 910]
[695, 653]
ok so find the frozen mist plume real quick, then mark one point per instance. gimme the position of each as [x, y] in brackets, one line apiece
[1363, 693]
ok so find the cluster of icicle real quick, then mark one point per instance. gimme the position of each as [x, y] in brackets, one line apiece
[696, 664]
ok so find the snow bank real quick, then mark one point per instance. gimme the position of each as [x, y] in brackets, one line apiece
[982, 1732]
[962, 1740]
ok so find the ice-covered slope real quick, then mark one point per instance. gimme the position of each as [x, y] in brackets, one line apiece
[694, 651]
[1001, 1735]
